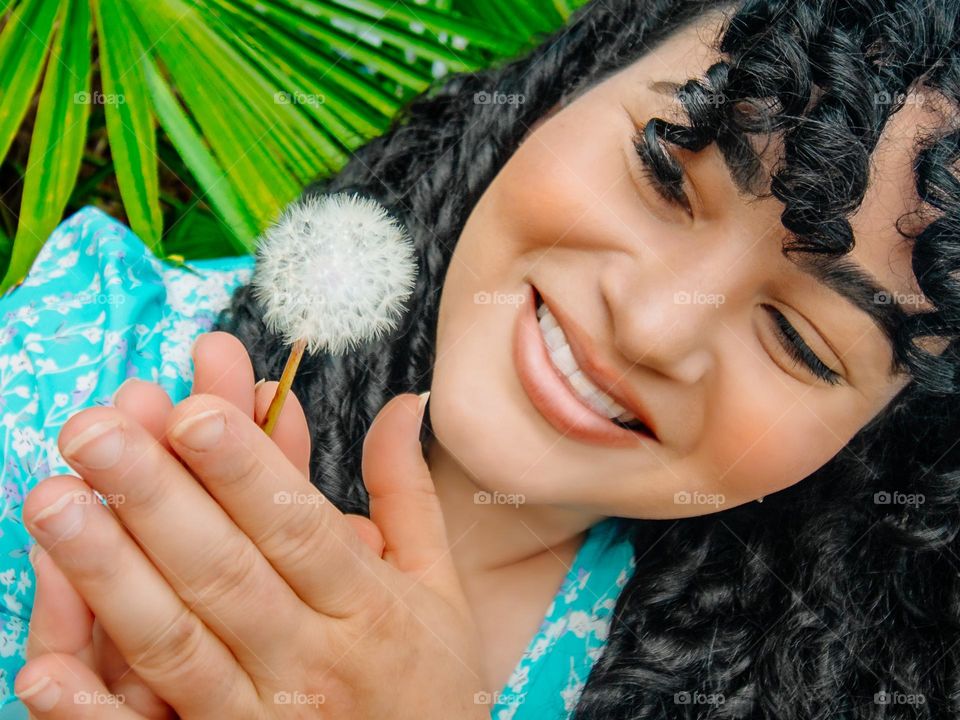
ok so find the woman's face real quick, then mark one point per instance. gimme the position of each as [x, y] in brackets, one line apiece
[667, 312]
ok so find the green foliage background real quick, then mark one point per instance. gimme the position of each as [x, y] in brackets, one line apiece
[196, 121]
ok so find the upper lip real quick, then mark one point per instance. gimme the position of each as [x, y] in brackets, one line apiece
[600, 374]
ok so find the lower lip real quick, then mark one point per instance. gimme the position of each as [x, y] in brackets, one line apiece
[550, 394]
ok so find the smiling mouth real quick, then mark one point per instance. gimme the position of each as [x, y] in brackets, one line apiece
[590, 395]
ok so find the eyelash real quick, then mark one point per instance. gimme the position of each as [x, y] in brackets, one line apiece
[798, 350]
[673, 195]
[788, 336]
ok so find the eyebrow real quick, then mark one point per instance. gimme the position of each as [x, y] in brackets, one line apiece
[839, 274]
[853, 283]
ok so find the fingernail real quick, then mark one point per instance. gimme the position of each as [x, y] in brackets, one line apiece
[260, 382]
[424, 396]
[42, 696]
[113, 398]
[99, 446]
[64, 518]
[34, 551]
[200, 432]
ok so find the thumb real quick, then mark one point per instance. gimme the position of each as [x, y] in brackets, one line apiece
[61, 687]
[403, 501]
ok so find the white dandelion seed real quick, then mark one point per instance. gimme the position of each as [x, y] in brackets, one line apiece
[332, 273]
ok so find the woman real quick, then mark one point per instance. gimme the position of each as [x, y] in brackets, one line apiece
[599, 181]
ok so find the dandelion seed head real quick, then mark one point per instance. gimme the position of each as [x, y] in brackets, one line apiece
[335, 271]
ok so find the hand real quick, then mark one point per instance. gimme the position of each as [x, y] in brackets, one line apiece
[231, 608]
[61, 622]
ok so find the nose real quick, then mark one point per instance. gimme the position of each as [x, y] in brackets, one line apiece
[665, 321]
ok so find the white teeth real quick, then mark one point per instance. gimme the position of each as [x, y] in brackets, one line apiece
[562, 357]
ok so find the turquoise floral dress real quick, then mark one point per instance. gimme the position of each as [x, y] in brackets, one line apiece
[98, 307]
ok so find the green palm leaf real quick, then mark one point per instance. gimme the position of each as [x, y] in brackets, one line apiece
[256, 97]
[58, 134]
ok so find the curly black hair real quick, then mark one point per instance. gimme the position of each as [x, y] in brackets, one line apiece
[829, 600]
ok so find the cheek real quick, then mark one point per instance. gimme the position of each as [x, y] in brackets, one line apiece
[559, 186]
[771, 440]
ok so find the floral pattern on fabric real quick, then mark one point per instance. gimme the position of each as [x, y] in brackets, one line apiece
[98, 307]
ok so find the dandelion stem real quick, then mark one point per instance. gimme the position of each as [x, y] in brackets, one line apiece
[286, 380]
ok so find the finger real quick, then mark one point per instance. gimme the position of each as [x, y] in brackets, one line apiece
[303, 535]
[191, 540]
[62, 687]
[60, 622]
[162, 640]
[368, 532]
[403, 501]
[221, 366]
[121, 680]
[291, 432]
[146, 403]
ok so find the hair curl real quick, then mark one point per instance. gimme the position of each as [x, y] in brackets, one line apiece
[818, 601]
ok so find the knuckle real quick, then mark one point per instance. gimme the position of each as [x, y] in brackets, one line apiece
[145, 498]
[96, 563]
[298, 537]
[245, 468]
[228, 572]
[173, 652]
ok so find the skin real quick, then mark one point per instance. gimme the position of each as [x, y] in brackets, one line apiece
[571, 213]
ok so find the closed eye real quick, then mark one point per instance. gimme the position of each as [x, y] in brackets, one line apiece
[798, 350]
[665, 174]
